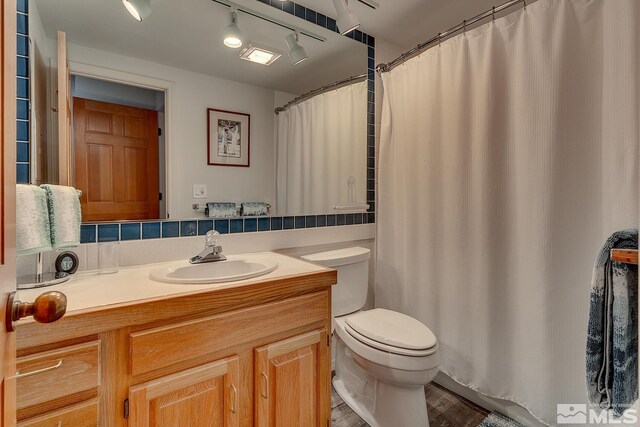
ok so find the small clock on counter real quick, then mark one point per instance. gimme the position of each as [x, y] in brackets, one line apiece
[67, 262]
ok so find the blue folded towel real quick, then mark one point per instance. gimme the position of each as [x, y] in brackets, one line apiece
[33, 231]
[255, 209]
[65, 215]
[612, 341]
[221, 210]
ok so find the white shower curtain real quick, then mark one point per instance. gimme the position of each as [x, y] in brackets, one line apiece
[508, 155]
[321, 144]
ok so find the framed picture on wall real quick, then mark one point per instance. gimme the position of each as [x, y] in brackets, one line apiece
[229, 138]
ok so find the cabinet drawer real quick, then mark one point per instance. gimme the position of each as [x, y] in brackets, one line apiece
[161, 347]
[81, 415]
[72, 372]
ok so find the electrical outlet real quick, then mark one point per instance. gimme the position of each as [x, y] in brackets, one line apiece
[199, 191]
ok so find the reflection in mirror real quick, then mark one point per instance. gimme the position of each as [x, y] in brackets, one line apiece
[321, 152]
[135, 130]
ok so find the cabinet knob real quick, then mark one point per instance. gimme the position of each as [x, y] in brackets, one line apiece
[46, 308]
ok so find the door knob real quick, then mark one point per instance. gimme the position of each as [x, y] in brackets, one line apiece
[46, 308]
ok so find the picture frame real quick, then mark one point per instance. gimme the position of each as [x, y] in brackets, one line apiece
[228, 138]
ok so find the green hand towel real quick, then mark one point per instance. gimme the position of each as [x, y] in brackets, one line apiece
[33, 233]
[65, 216]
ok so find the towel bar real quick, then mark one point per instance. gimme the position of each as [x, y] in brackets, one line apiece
[628, 256]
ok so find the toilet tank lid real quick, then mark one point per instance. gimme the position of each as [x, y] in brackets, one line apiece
[339, 257]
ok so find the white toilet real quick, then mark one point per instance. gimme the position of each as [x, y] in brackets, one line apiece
[383, 358]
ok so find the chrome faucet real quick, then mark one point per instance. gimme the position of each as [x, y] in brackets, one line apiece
[212, 252]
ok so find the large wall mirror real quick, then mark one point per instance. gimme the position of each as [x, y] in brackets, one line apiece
[153, 120]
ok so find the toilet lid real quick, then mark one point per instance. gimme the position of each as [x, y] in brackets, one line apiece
[392, 330]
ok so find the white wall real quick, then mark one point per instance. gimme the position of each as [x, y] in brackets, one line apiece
[193, 94]
[105, 91]
[39, 65]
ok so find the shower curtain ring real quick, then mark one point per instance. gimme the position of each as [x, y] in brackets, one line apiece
[493, 14]
[525, 4]
[439, 39]
[464, 26]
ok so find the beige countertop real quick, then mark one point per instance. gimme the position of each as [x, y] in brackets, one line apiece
[90, 290]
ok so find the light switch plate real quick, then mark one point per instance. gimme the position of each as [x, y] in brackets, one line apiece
[199, 191]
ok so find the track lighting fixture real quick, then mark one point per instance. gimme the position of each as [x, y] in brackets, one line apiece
[347, 20]
[232, 36]
[139, 9]
[297, 54]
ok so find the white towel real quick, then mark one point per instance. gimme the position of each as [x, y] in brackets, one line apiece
[33, 233]
[65, 216]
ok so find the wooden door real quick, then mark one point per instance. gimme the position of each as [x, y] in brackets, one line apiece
[116, 161]
[206, 396]
[292, 382]
[7, 208]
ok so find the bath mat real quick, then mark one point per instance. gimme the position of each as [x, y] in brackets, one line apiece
[496, 419]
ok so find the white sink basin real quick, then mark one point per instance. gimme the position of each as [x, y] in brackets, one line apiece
[231, 270]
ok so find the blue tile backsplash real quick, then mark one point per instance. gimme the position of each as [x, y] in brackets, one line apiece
[91, 233]
[22, 64]
[191, 227]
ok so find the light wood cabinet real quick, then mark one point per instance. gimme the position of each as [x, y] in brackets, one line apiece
[84, 414]
[56, 378]
[202, 396]
[235, 357]
[292, 381]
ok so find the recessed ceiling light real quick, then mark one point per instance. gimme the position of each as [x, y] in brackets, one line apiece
[259, 54]
[139, 9]
[232, 36]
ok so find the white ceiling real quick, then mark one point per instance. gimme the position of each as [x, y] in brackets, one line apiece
[405, 23]
[187, 34]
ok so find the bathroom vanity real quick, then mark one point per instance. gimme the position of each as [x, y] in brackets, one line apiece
[133, 351]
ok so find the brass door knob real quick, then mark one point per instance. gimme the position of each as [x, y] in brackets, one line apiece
[47, 308]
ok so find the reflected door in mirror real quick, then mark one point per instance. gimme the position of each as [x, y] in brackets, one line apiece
[115, 161]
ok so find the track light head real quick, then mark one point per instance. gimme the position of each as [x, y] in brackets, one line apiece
[297, 54]
[347, 19]
[139, 9]
[232, 36]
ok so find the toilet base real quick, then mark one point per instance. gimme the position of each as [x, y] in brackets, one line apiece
[378, 403]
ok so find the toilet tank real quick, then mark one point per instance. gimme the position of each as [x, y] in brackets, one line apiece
[350, 294]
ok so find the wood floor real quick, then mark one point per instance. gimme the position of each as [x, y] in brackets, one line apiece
[446, 409]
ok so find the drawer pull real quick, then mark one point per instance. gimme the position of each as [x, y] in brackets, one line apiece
[234, 400]
[39, 371]
[265, 392]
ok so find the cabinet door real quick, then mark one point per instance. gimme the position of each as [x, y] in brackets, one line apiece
[292, 382]
[202, 396]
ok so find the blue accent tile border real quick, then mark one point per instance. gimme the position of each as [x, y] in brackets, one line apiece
[109, 232]
[23, 169]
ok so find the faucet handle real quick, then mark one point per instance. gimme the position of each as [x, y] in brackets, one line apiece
[211, 239]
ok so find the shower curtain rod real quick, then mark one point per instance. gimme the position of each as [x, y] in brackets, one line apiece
[323, 89]
[383, 68]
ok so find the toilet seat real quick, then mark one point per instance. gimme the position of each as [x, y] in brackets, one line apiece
[390, 359]
[388, 348]
[391, 331]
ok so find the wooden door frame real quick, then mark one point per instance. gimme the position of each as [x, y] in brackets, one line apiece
[131, 79]
[8, 113]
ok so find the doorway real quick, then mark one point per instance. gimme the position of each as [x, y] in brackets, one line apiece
[118, 150]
